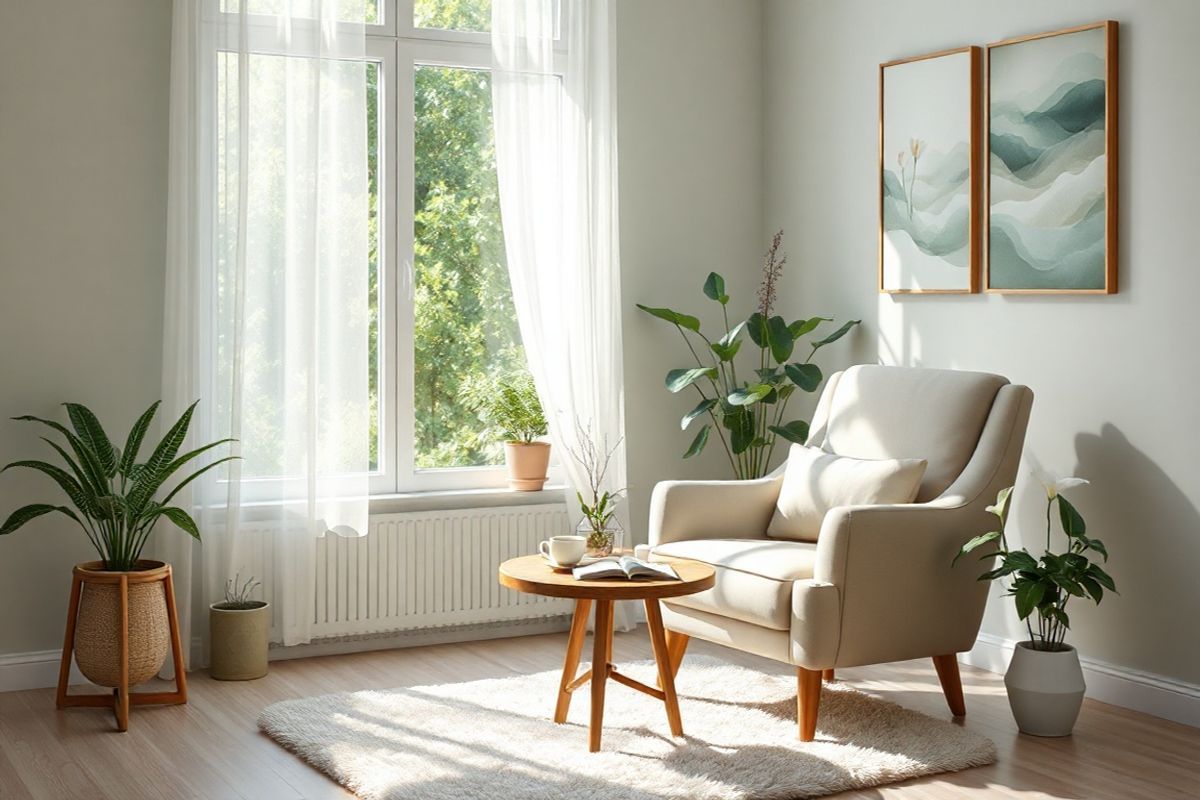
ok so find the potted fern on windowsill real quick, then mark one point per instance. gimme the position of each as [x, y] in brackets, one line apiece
[509, 408]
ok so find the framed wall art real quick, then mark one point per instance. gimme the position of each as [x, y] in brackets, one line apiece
[930, 173]
[1052, 162]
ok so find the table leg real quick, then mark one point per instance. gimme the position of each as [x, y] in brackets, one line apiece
[571, 663]
[601, 655]
[666, 675]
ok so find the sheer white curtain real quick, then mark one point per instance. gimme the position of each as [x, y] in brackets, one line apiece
[267, 290]
[556, 160]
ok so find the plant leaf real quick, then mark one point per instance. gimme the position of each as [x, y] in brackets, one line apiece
[136, 434]
[780, 339]
[680, 379]
[714, 288]
[698, 443]
[732, 335]
[197, 474]
[978, 541]
[674, 317]
[794, 431]
[74, 491]
[1072, 522]
[1102, 577]
[1029, 594]
[91, 468]
[839, 333]
[26, 513]
[182, 519]
[92, 434]
[805, 326]
[151, 476]
[702, 408]
[807, 376]
[756, 326]
[726, 352]
[1093, 588]
[750, 394]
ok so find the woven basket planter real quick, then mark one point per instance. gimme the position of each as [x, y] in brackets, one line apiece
[120, 627]
[97, 629]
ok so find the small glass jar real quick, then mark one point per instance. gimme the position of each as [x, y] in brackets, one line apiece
[603, 542]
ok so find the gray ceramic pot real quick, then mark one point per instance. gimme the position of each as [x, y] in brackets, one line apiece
[1045, 689]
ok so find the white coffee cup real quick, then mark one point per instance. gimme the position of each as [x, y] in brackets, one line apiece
[564, 550]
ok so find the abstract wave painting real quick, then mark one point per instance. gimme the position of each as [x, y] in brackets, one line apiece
[929, 173]
[1051, 157]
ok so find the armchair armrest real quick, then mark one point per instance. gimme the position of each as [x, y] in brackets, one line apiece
[681, 510]
[901, 594]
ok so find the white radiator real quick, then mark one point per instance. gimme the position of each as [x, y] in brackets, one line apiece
[424, 569]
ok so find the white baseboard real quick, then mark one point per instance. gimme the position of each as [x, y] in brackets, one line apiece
[38, 670]
[1120, 686]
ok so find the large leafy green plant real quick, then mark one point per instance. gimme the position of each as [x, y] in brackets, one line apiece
[111, 491]
[1041, 587]
[748, 414]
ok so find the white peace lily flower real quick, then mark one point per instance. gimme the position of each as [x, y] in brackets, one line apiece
[1053, 484]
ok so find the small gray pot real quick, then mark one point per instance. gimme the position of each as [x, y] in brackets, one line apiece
[239, 641]
[1045, 689]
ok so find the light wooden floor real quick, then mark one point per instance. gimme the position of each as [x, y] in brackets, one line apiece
[212, 749]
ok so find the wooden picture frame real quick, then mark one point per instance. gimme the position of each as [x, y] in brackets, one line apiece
[1063, 241]
[932, 255]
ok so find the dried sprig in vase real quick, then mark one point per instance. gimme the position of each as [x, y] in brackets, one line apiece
[599, 523]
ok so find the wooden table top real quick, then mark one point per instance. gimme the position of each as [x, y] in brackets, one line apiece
[533, 575]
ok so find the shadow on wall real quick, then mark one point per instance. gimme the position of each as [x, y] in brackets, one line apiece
[1152, 531]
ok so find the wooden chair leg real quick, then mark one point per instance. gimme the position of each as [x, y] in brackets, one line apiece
[951, 680]
[808, 697]
[828, 675]
[64, 669]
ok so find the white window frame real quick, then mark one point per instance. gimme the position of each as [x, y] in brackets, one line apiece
[398, 47]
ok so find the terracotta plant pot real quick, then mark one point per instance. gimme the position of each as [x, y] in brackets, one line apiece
[98, 624]
[1045, 689]
[527, 465]
[239, 641]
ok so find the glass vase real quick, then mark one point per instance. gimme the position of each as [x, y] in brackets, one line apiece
[603, 542]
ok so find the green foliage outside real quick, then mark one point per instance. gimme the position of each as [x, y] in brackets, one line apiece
[465, 324]
[453, 15]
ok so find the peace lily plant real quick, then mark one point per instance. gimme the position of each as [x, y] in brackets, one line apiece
[1042, 586]
[1044, 679]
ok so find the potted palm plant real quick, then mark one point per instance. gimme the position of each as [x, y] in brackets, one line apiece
[111, 496]
[1044, 680]
[509, 408]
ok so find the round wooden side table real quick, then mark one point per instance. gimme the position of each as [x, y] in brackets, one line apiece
[533, 575]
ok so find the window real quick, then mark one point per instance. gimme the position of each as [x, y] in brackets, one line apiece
[440, 307]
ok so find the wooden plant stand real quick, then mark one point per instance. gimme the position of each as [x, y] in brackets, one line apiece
[121, 698]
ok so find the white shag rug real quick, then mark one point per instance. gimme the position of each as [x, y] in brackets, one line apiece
[495, 740]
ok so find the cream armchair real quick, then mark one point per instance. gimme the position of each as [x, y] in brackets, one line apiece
[878, 585]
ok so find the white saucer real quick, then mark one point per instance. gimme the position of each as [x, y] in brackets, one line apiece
[582, 563]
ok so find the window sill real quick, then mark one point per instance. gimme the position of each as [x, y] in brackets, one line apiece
[453, 500]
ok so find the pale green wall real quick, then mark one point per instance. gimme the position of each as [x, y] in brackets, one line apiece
[83, 191]
[1116, 379]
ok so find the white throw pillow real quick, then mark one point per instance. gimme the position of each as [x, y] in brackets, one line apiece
[815, 481]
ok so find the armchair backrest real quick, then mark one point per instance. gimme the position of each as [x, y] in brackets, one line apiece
[872, 411]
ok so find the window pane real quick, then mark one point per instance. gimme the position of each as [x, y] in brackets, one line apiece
[453, 15]
[465, 326]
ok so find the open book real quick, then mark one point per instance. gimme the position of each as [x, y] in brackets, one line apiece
[626, 568]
